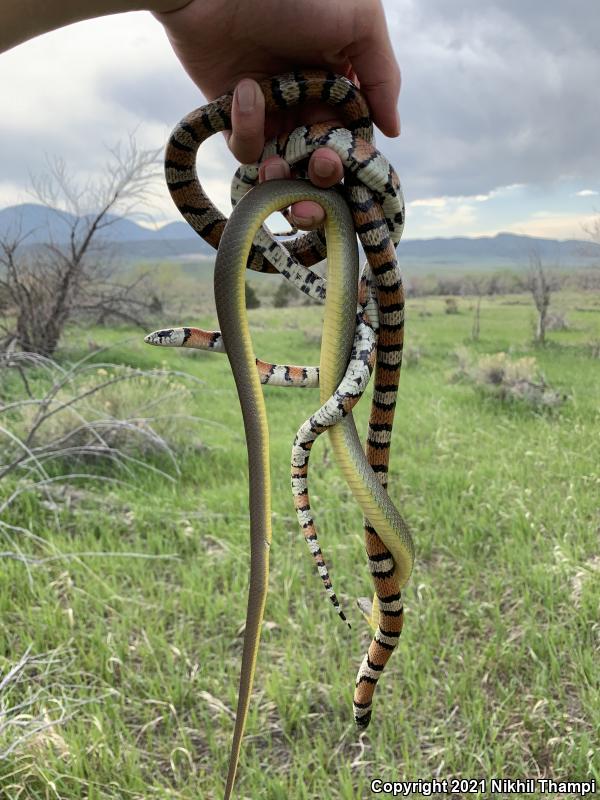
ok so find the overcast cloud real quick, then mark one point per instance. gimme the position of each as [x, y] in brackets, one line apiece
[495, 94]
[499, 107]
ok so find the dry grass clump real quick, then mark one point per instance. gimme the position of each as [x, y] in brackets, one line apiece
[58, 424]
[557, 321]
[89, 410]
[508, 379]
[594, 348]
[411, 355]
[113, 407]
[35, 700]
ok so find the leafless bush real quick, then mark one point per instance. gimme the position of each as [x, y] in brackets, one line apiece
[44, 287]
[593, 229]
[65, 417]
[111, 408]
[541, 283]
[84, 411]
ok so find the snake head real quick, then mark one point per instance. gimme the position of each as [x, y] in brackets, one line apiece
[168, 337]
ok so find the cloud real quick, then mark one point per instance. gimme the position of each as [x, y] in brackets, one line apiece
[586, 193]
[76, 91]
[442, 202]
[441, 216]
[494, 94]
[429, 202]
[550, 225]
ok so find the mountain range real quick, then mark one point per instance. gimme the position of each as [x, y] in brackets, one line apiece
[176, 239]
[40, 224]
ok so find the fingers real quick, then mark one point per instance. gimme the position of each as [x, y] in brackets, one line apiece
[307, 215]
[382, 97]
[325, 169]
[304, 215]
[247, 122]
[274, 169]
[246, 142]
[378, 73]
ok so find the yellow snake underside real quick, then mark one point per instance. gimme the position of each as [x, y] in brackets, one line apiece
[354, 337]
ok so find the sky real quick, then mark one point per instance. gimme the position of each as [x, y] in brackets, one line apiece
[499, 108]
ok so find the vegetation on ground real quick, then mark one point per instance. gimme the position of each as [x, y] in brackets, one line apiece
[124, 590]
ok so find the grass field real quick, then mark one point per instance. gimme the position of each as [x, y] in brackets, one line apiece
[133, 611]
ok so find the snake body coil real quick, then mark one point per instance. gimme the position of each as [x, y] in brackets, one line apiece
[372, 191]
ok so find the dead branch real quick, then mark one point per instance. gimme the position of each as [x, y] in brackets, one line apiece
[47, 286]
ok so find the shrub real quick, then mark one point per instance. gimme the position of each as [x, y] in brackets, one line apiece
[411, 355]
[311, 301]
[594, 348]
[451, 306]
[115, 408]
[284, 295]
[500, 376]
[556, 321]
[105, 413]
[252, 299]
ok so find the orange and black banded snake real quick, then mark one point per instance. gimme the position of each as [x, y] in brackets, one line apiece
[372, 193]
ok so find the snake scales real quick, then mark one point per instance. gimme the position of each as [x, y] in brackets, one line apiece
[350, 343]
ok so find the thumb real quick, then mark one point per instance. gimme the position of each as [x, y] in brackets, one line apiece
[247, 121]
[378, 72]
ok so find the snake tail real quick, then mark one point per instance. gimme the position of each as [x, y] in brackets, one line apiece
[234, 248]
[343, 400]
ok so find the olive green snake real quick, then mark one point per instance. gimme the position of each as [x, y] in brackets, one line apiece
[372, 191]
[338, 333]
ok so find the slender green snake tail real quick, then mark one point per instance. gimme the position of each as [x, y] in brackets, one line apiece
[229, 284]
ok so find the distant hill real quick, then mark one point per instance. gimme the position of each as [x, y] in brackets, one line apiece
[176, 239]
[503, 249]
[130, 239]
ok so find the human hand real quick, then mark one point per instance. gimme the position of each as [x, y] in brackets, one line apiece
[224, 44]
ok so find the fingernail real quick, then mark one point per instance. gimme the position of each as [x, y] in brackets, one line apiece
[246, 96]
[274, 172]
[303, 222]
[323, 167]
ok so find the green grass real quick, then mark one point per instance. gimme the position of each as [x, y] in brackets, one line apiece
[497, 671]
